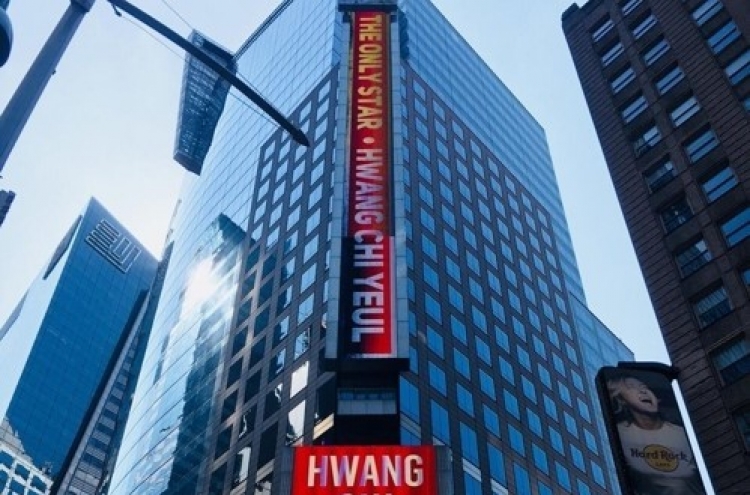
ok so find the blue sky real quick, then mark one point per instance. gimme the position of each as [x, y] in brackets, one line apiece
[105, 128]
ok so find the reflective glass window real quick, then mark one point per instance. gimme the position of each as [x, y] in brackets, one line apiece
[723, 37]
[691, 258]
[719, 184]
[643, 27]
[655, 51]
[669, 80]
[737, 228]
[684, 111]
[601, 30]
[676, 214]
[706, 11]
[621, 80]
[739, 68]
[612, 53]
[660, 175]
[712, 306]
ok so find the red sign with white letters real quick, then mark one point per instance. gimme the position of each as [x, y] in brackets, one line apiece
[367, 310]
[364, 470]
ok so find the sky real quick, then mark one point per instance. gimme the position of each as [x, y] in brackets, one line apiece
[105, 127]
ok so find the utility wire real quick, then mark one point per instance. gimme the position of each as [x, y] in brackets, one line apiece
[181, 56]
[193, 28]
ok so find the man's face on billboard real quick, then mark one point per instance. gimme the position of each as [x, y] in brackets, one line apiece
[638, 396]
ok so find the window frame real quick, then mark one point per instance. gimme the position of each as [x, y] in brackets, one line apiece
[742, 228]
[669, 80]
[655, 183]
[737, 369]
[673, 218]
[684, 111]
[719, 183]
[722, 37]
[705, 11]
[692, 257]
[740, 66]
[714, 310]
[700, 144]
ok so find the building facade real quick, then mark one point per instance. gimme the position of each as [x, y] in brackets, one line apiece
[668, 86]
[236, 369]
[57, 344]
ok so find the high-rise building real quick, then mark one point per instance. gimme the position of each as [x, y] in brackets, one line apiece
[490, 354]
[668, 86]
[58, 342]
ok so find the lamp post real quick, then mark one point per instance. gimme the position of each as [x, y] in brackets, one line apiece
[22, 103]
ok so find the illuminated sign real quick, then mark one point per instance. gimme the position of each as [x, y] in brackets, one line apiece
[364, 470]
[646, 431]
[367, 323]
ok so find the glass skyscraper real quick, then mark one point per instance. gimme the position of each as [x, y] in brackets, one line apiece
[58, 342]
[488, 289]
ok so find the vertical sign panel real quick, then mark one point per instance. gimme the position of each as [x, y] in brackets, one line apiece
[647, 434]
[367, 323]
[364, 470]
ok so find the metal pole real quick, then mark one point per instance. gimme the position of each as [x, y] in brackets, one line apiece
[23, 101]
[196, 52]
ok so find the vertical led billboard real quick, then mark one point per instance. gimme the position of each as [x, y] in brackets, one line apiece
[648, 438]
[367, 322]
[364, 470]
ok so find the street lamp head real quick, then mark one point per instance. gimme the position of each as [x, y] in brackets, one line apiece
[6, 36]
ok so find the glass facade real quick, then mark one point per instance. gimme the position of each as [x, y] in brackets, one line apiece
[497, 371]
[74, 313]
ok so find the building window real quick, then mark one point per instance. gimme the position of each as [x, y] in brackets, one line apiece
[646, 141]
[706, 11]
[742, 418]
[669, 80]
[655, 51]
[633, 109]
[723, 37]
[622, 80]
[733, 361]
[690, 259]
[659, 175]
[719, 184]
[701, 145]
[643, 27]
[712, 307]
[676, 214]
[684, 111]
[737, 228]
[739, 68]
[602, 29]
[611, 54]
[629, 6]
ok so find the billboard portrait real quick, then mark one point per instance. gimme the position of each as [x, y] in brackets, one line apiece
[647, 433]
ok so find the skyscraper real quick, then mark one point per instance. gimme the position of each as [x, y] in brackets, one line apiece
[58, 342]
[668, 88]
[484, 349]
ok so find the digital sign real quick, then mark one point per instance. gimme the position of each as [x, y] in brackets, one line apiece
[364, 470]
[647, 434]
[367, 322]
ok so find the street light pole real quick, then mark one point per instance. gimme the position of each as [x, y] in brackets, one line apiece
[16, 114]
[22, 103]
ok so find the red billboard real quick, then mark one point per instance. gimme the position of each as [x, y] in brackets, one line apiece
[367, 323]
[364, 470]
